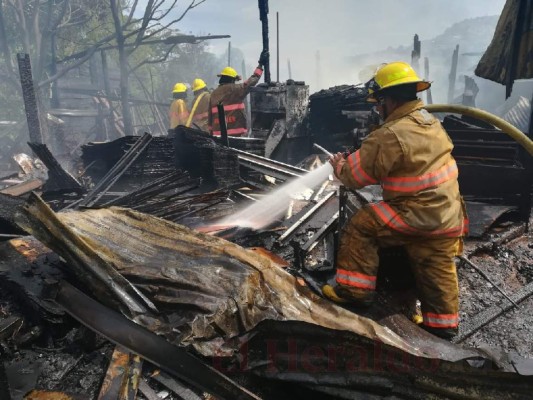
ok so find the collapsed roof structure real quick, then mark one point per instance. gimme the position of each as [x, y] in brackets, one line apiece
[124, 279]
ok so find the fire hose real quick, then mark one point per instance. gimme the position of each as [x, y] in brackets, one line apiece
[498, 122]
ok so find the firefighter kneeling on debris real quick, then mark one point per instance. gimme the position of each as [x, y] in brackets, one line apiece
[410, 157]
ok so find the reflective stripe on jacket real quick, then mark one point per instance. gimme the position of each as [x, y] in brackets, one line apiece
[232, 95]
[410, 156]
[199, 112]
[178, 113]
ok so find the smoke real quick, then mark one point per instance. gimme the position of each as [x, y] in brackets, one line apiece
[340, 30]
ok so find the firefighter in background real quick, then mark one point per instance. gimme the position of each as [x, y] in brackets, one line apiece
[200, 106]
[232, 95]
[178, 112]
[422, 210]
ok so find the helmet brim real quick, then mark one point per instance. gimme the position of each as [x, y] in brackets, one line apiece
[237, 78]
[420, 87]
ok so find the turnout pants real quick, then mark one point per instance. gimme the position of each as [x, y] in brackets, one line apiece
[431, 259]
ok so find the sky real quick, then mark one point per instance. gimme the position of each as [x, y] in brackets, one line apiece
[336, 28]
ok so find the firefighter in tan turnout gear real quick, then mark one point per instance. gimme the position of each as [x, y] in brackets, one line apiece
[232, 95]
[178, 112]
[422, 210]
[200, 106]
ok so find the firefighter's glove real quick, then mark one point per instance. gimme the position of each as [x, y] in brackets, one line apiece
[264, 57]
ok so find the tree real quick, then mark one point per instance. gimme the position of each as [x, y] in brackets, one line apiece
[151, 25]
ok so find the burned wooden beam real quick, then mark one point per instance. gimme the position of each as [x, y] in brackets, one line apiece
[453, 75]
[30, 101]
[177, 181]
[58, 178]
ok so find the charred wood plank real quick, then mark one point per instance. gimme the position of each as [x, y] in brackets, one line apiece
[58, 178]
[122, 376]
[117, 171]
[177, 180]
[176, 387]
[23, 188]
[147, 391]
[51, 395]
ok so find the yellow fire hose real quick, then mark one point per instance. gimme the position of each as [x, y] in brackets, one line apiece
[505, 126]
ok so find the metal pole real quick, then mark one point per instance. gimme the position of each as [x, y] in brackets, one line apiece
[30, 101]
[223, 125]
[289, 67]
[229, 54]
[277, 46]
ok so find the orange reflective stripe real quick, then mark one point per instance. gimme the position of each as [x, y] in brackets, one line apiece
[416, 183]
[229, 107]
[355, 279]
[466, 226]
[360, 176]
[394, 221]
[235, 131]
[441, 320]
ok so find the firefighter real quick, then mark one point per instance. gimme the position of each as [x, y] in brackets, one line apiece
[178, 112]
[200, 105]
[232, 95]
[409, 155]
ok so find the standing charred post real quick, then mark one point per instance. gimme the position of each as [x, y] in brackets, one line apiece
[415, 54]
[30, 101]
[263, 16]
[453, 75]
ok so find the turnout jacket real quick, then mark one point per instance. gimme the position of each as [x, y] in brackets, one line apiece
[232, 97]
[410, 157]
[178, 113]
[199, 111]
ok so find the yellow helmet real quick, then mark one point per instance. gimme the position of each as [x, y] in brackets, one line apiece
[395, 74]
[198, 84]
[179, 88]
[228, 71]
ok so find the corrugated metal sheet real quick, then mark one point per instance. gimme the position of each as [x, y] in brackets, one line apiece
[517, 111]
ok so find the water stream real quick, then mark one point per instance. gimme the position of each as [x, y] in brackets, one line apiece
[265, 211]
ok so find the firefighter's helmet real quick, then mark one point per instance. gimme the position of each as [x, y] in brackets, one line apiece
[228, 71]
[179, 88]
[395, 74]
[198, 84]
